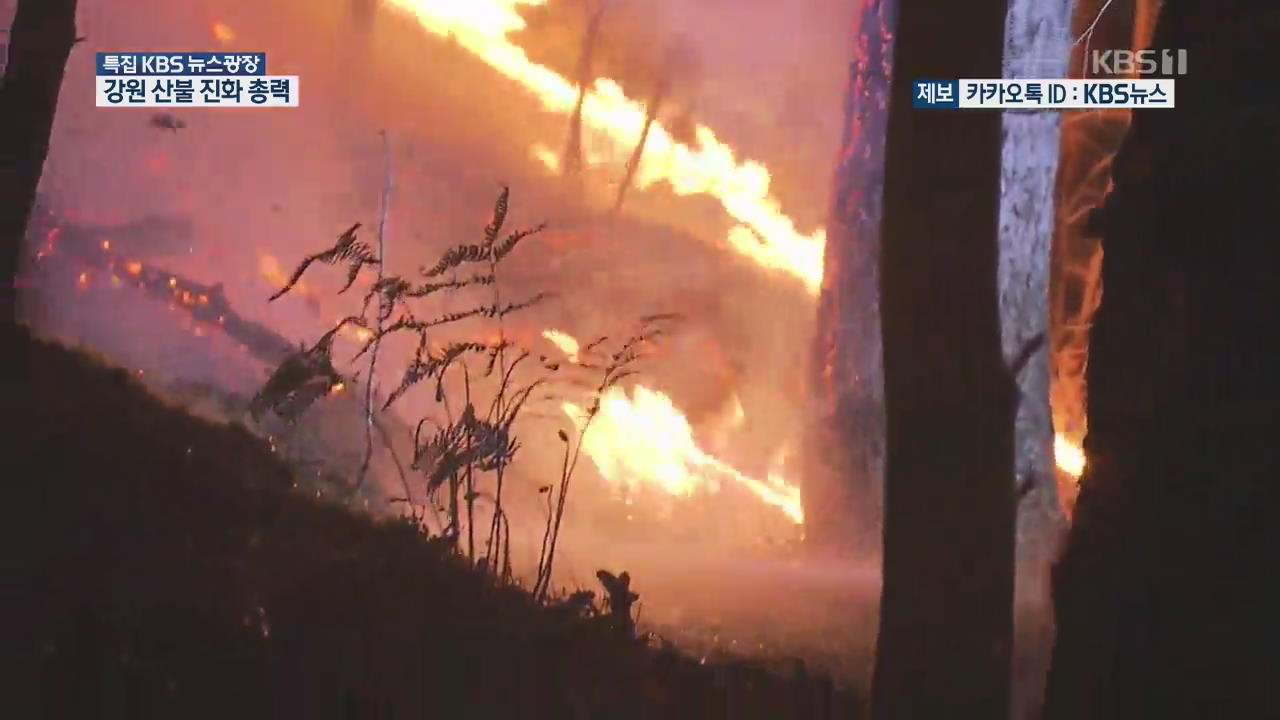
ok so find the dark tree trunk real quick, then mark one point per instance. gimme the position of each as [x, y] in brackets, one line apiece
[40, 41]
[946, 609]
[1165, 596]
[844, 470]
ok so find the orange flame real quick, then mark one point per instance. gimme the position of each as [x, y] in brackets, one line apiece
[223, 33]
[1068, 456]
[764, 233]
[355, 332]
[644, 440]
[567, 343]
[273, 272]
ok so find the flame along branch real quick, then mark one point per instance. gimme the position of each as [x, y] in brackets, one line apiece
[711, 167]
[205, 303]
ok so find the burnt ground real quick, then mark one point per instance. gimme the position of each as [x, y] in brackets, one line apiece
[166, 568]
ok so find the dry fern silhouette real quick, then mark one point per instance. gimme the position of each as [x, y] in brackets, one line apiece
[302, 378]
[452, 454]
[348, 249]
[460, 448]
[488, 251]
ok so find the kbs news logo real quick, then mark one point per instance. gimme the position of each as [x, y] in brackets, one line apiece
[1139, 62]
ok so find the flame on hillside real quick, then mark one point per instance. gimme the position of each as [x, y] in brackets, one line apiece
[643, 441]
[764, 234]
[567, 343]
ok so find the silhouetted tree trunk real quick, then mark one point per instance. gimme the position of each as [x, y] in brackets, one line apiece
[844, 467]
[1165, 597]
[572, 162]
[40, 41]
[946, 608]
[844, 476]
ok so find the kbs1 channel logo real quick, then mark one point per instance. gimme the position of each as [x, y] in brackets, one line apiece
[198, 79]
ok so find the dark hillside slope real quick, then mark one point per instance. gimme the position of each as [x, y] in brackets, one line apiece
[165, 568]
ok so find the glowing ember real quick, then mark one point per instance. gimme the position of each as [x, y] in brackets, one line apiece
[644, 440]
[83, 280]
[481, 27]
[274, 273]
[337, 388]
[1068, 456]
[222, 33]
[354, 332]
[567, 343]
[133, 268]
[106, 244]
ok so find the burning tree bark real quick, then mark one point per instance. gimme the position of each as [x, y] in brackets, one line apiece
[950, 399]
[843, 484]
[40, 41]
[1163, 609]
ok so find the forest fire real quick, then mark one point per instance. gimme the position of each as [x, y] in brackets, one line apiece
[765, 235]
[573, 470]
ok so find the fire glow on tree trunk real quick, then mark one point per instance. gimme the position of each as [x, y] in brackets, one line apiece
[1165, 594]
[1089, 140]
[845, 468]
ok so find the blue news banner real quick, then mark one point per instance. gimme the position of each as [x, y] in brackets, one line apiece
[1031, 95]
[202, 79]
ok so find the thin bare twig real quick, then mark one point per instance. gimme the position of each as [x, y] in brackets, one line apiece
[377, 337]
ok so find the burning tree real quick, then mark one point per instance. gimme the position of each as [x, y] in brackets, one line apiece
[843, 479]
